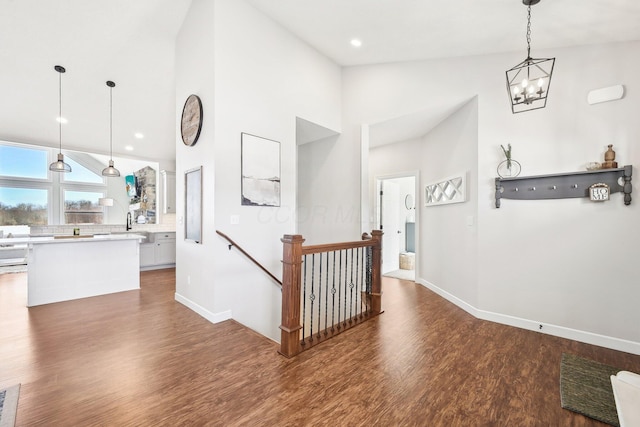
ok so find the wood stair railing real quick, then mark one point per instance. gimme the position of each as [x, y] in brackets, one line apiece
[252, 259]
[328, 289]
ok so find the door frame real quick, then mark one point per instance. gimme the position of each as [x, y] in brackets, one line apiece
[416, 200]
[389, 216]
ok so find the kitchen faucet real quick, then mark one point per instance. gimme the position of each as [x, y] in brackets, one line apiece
[129, 221]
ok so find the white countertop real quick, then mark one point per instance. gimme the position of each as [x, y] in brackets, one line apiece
[72, 239]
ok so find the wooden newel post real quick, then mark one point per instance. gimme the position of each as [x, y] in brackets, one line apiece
[376, 276]
[291, 279]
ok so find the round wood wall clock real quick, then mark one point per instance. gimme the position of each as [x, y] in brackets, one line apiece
[191, 120]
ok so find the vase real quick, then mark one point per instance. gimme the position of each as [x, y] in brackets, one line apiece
[509, 169]
[609, 157]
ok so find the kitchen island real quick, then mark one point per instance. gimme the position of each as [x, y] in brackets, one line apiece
[62, 268]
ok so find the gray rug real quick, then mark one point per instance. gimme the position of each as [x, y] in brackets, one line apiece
[585, 388]
[9, 405]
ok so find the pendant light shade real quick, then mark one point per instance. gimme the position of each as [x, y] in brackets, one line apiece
[528, 82]
[110, 171]
[60, 165]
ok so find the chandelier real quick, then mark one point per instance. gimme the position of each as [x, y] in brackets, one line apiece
[528, 82]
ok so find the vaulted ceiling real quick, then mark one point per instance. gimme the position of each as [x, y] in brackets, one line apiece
[129, 42]
[132, 43]
[407, 30]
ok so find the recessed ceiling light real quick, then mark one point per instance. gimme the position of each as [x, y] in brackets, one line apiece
[128, 148]
[138, 135]
[61, 120]
[356, 42]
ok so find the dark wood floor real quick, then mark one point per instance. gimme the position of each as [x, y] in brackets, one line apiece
[139, 358]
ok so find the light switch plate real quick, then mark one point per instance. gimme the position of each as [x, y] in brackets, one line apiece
[235, 219]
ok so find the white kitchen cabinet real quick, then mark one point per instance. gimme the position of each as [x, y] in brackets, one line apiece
[147, 254]
[166, 248]
[159, 251]
[168, 191]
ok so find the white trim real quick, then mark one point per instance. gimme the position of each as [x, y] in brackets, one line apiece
[545, 328]
[449, 297]
[415, 174]
[157, 266]
[365, 220]
[211, 317]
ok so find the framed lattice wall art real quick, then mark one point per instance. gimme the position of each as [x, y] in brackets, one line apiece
[446, 190]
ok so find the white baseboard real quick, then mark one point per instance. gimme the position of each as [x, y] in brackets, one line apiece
[157, 267]
[211, 317]
[545, 328]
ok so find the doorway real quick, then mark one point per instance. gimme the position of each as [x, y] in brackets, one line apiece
[396, 217]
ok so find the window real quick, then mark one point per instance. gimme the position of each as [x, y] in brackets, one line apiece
[23, 206]
[30, 194]
[79, 173]
[19, 162]
[82, 207]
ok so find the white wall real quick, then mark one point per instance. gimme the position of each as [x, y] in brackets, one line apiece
[446, 245]
[388, 160]
[195, 74]
[313, 193]
[574, 266]
[448, 238]
[255, 78]
[539, 262]
[566, 264]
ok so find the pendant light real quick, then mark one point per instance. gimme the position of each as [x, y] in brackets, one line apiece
[528, 82]
[60, 165]
[110, 171]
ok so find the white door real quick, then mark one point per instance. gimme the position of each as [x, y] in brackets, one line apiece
[390, 224]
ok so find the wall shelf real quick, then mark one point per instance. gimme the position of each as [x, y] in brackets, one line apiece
[563, 185]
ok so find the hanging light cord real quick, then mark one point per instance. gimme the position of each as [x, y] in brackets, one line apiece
[110, 122]
[60, 110]
[529, 31]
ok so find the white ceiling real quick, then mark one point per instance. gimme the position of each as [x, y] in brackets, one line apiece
[132, 43]
[407, 30]
[128, 41]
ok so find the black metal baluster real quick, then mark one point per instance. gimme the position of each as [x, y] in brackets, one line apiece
[312, 296]
[346, 262]
[363, 262]
[369, 284]
[333, 294]
[326, 298]
[319, 296]
[339, 289]
[351, 290]
[358, 276]
[304, 300]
